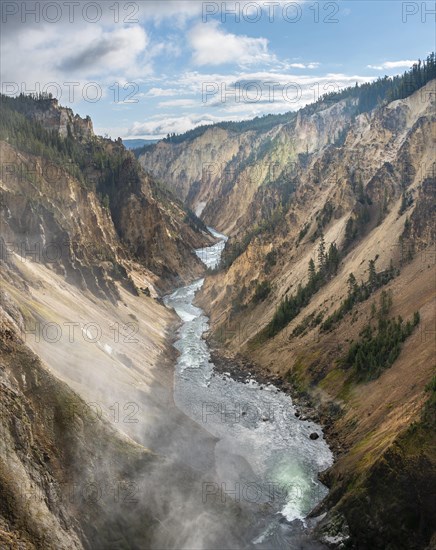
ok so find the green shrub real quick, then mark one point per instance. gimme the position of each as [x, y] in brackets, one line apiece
[262, 291]
[380, 345]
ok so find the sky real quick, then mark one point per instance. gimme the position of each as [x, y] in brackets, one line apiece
[147, 68]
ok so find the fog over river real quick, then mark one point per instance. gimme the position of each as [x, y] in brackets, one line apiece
[264, 454]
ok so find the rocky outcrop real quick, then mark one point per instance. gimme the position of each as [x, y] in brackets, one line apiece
[155, 227]
[54, 117]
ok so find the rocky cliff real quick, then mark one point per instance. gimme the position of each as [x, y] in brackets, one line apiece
[219, 172]
[84, 201]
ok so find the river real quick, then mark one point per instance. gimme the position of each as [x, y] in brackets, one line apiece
[264, 453]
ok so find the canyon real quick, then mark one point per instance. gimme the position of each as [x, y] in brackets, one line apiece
[365, 183]
[99, 448]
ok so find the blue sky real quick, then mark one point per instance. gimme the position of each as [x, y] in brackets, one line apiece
[147, 68]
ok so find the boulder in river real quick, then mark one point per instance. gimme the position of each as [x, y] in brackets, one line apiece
[314, 435]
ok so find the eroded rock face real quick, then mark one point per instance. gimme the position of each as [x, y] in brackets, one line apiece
[85, 220]
[155, 227]
[221, 171]
[236, 179]
[361, 183]
[50, 218]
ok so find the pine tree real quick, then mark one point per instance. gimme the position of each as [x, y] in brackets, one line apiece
[403, 206]
[321, 252]
[350, 232]
[352, 284]
[372, 276]
[385, 303]
[332, 260]
[312, 272]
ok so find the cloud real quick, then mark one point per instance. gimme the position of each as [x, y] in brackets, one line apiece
[168, 48]
[163, 92]
[117, 49]
[404, 64]
[158, 60]
[275, 87]
[179, 11]
[314, 65]
[213, 46]
[161, 126]
[178, 103]
[54, 55]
